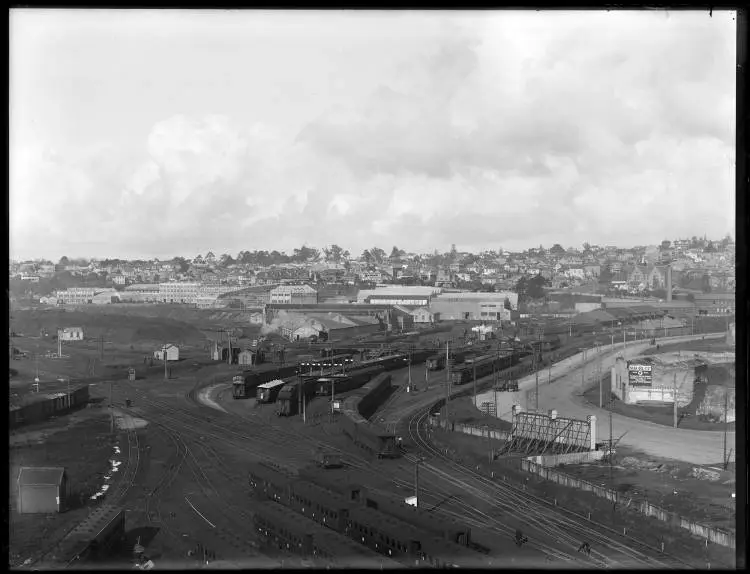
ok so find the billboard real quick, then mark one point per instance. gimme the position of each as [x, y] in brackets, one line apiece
[639, 374]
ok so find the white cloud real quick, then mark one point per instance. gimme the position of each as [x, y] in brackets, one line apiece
[479, 130]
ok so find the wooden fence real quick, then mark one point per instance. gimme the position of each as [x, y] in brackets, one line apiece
[715, 535]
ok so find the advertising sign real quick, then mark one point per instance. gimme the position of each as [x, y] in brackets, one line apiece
[639, 374]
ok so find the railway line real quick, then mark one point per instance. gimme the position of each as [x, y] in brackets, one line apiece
[543, 520]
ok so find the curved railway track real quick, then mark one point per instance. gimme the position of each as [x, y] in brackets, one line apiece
[543, 518]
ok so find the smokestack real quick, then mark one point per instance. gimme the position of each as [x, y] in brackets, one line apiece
[669, 283]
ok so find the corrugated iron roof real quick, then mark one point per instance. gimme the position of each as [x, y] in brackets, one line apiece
[40, 475]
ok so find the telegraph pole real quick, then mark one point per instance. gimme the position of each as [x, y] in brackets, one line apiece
[674, 390]
[583, 371]
[416, 480]
[164, 356]
[610, 435]
[726, 426]
[475, 383]
[447, 379]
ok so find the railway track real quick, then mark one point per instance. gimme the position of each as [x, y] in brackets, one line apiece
[540, 516]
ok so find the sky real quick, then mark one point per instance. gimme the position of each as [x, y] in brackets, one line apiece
[166, 133]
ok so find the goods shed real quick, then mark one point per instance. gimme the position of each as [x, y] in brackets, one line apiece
[41, 490]
[172, 353]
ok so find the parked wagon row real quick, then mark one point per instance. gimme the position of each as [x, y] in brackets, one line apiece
[368, 527]
[52, 405]
[355, 411]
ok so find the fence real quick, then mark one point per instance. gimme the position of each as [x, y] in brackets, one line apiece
[469, 429]
[715, 535]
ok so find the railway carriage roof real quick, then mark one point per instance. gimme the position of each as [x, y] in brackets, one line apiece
[272, 384]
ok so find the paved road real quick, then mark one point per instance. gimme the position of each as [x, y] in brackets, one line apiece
[563, 394]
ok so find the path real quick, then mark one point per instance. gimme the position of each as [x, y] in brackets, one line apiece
[563, 394]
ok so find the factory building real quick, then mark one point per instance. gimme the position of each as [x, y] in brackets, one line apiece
[293, 294]
[715, 303]
[179, 292]
[408, 296]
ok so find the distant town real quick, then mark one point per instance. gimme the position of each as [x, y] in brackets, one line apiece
[550, 280]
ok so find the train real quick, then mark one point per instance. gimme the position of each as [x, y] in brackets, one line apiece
[369, 527]
[244, 385]
[278, 527]
[267, 392]
[345, 383]
[289, 396]
[355, 411]
[482, 366]
[447, 528]
[53, 405]
[93, 539]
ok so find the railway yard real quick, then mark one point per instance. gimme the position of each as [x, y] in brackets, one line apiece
[211, 480]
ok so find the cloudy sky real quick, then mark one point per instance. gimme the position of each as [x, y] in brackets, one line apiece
[173, 133]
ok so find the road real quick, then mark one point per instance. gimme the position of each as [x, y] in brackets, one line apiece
[563, 394]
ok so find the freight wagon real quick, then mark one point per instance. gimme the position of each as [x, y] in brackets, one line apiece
[244, 385]
[53, 405]
[267, 392]
[354, 424]
[288, 399]
[343, 384]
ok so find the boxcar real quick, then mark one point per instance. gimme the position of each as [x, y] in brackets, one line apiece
[288, 399]
[267, 392]
[435, 362]
[245, 384]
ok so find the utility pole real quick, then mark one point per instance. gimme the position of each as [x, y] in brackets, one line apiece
[447, 379]
[674, 390]
[489, 444]
[726, 426]
[416, 481]
[536, 369]
[475, 382]
[600, 390]
[610, 435]
[583, 371]
[164, 356]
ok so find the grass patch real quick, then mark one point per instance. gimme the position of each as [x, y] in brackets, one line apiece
[83, 444]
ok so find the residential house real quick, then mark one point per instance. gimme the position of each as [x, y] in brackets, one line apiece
[172, 353]
[423, 315]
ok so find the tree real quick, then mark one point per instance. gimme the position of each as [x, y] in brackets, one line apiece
[396, 252]
[557, 250]
[64, 260]
[334, 253]
[377, 254]
[709, 248]
[184, 265]
[226, 260]
[366, 256]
